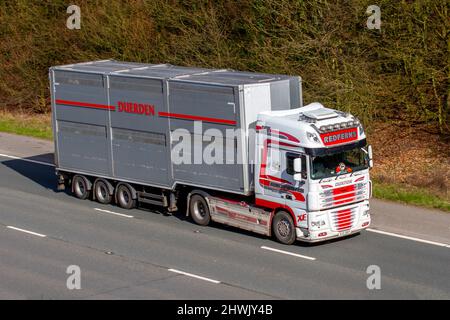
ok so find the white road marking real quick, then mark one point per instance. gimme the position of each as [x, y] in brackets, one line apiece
[287, 252]
[114, 213]
[440, 244]
[194, 276]
[27, 160]
[27, 231]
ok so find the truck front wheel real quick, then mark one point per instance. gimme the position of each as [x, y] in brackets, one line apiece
[283, 227]
[199, 210]
[80, 187]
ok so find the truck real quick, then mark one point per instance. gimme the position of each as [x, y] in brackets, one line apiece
[219, 145]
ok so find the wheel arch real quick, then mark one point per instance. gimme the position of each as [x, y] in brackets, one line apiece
[202, 193]
[86, 179]
[132, 189]
[278, 209]
[108, 184]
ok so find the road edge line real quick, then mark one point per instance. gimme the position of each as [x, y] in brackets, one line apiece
[27, 231]
[27, 160]
[439, 244]
[288, 253]
[194, 276]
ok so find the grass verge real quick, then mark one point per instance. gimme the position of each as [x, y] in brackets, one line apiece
[410, 195]
[38, 126]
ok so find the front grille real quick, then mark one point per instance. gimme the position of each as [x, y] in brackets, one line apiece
[343, 219]
[343, 195]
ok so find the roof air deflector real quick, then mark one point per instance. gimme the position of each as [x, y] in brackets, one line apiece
[320, 114]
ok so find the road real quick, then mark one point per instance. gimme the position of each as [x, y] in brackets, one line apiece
[146, 254]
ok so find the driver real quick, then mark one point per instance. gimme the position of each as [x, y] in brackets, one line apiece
[341, 169]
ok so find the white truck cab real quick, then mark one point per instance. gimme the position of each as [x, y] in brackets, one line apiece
[314, 164]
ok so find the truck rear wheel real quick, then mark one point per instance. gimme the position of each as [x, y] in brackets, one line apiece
[80, 187]
[199, 210]
[124, 197]
[283, 228]
[101, 192]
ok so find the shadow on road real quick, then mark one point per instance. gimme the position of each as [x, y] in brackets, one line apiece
[41, 174]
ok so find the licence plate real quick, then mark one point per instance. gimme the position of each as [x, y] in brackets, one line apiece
[344, 233]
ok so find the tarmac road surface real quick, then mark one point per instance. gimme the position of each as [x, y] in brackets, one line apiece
[146, 254]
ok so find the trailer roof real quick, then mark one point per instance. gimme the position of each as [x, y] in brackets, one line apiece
[168, 71]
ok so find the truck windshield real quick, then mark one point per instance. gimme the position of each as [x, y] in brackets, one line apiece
[340, 163]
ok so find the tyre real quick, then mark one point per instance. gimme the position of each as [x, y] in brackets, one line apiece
[101, 192]
[283, 228]
[199, 210]
[80, 187]
[124, 197]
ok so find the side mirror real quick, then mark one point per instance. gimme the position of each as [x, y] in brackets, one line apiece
[370, 154]
[298, 165]
[298, 177]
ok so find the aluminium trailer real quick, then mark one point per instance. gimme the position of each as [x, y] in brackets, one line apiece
[114, 121]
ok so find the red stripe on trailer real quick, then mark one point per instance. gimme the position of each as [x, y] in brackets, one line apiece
[85, 104]
[195, 118]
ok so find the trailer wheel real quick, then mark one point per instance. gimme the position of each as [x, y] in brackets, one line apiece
[199, 210]
[283, 227]
[80, 187]
[101, 192]
[124, 197]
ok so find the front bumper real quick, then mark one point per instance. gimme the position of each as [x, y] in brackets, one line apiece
[328, 231]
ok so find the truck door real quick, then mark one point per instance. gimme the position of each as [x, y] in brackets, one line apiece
[294, 192]
[270, 182]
